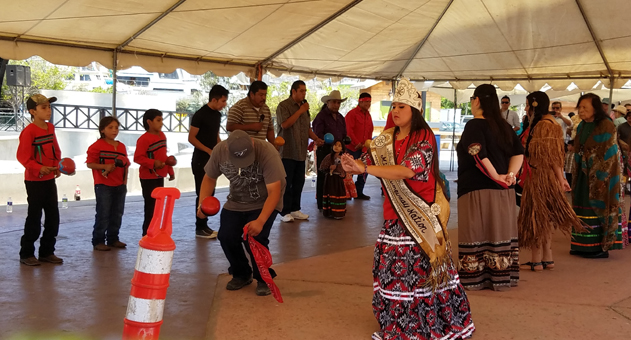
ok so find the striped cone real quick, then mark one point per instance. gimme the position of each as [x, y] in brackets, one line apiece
[153, 267]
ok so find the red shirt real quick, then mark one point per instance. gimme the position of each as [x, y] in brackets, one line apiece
[420, 160]
[150, 147]
[358, 126]
[38, 147]
[102, 152]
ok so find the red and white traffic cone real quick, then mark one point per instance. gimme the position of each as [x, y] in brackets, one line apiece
[153, 267]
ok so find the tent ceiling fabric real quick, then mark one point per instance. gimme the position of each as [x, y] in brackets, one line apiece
[462, 41]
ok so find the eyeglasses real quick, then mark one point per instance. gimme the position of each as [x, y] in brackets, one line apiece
[505, 102]
[556, 108]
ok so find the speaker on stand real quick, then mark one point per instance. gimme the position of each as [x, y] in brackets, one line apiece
[19, 75]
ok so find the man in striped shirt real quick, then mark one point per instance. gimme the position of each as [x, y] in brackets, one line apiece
[252, 115]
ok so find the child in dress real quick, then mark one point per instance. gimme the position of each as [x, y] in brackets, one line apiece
[334, 194]
[107, 158]
[151, 154]
[569, 161]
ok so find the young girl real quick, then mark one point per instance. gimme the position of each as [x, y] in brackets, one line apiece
[107, 158]
[39, 152]
[416, 290]
[151, 153]
[334, 193]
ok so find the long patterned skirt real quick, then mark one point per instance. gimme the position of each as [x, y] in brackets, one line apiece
[334, 197]
[487, 240]
[403, 306]
[591, 241]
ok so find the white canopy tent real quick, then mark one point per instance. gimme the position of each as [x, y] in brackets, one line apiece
[461, 41]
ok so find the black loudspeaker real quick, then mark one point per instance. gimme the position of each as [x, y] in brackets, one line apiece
[27, 76]
[18, 75]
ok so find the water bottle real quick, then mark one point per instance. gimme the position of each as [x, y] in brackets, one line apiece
[313, 182]
[64, 202]
[9, 206]
[77, 193]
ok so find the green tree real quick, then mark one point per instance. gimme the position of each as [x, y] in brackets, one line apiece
[99, 89]
[44, 76]
[276, 93]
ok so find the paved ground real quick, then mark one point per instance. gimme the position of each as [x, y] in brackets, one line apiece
[324, 273]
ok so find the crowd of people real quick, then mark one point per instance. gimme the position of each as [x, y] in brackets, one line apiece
[502, 164]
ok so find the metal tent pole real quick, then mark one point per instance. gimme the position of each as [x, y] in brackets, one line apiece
[453, 134]
[114, 81]
[611, 80]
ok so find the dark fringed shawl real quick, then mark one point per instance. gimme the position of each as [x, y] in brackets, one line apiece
[544, 206]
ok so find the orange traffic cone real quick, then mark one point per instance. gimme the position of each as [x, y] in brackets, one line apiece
[153, 267]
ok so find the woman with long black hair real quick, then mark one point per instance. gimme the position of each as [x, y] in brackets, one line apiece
[417, 294]
[596, 177]
[489, 156]
[544, 206]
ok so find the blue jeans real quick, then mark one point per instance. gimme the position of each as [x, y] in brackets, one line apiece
[110, 206]
[361, 181]
[231, 238]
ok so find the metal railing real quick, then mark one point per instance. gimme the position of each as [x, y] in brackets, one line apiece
[88, 117]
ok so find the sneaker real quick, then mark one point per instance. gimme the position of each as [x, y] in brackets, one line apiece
[51, 259]
[287, 218]
[238, 283]
[30, 261]
[299, 215]
[102, 247]
[206, 233]
[262, 289]
[118, 244]
[362, 197]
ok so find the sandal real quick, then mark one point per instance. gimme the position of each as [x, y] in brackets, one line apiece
[548, 265]
[532, 266]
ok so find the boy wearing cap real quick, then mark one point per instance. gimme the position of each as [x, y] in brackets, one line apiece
[257, 183]
[39, 152]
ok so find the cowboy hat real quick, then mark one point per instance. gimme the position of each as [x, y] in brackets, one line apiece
[334, 95]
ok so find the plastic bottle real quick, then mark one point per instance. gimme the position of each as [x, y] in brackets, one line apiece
[64, 202]
[9, 206]
[313, 182]
[77, 193]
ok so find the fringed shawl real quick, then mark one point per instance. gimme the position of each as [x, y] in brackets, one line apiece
[598, 159]
[544, 206]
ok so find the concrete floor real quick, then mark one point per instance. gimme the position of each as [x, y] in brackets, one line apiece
[324, 275]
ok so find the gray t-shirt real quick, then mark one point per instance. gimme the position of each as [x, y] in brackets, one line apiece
[297, 136]
[248, 189]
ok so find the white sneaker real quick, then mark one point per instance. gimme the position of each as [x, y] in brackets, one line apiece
[298, 215]
[287, 218]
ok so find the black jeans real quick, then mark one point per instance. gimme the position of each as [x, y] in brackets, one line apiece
[295, 171]
[321, 152]
[361, 181]
[110, 206]
[231, 239]
[148, 185]
[198, 173]
[41, 195]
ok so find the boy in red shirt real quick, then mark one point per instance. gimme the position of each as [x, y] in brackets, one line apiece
[107, 158]
[151, 153]
[39, 152]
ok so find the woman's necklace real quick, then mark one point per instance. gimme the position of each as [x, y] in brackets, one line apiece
[403, 141]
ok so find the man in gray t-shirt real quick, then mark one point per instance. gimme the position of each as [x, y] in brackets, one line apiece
[257, 184]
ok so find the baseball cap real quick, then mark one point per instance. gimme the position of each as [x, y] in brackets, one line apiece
[240, 149]
[38, 99]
